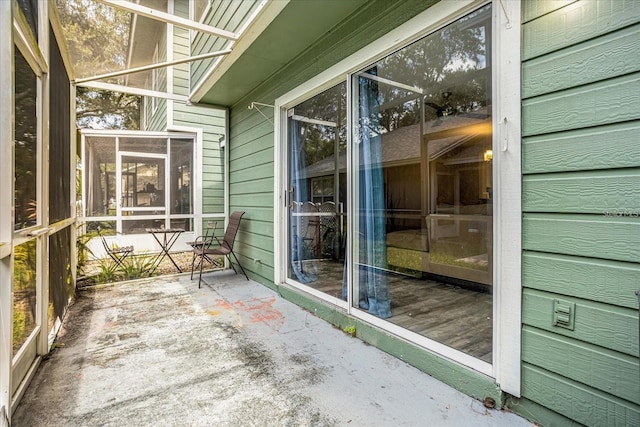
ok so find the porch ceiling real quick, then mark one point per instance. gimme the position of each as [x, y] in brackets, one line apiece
[296, 27]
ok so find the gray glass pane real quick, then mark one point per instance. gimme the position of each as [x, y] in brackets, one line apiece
[61, 286]
[59, 138]
[317, 180]
[24, 293]
[144, 145]
[423, 187]
[142, 182]
[181, 188]
[26, 144]
[100, 176]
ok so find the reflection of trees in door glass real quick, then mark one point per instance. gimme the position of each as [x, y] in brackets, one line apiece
[26, 143]
[451, 67]
[24, 293]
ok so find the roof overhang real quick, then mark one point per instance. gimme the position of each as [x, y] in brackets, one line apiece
[283, 30]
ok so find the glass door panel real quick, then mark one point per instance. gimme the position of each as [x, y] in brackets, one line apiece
[317, 192]
[422, 187]
[26, 144]
[24, 293]
[26, 313]
[142, 191]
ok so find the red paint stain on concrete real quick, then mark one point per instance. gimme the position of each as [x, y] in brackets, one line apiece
[255, 310]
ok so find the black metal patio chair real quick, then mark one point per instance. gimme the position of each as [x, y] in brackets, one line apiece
[117, 253]
[204, 241]
[226, 246]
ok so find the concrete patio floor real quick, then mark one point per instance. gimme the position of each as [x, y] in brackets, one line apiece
[233, 353]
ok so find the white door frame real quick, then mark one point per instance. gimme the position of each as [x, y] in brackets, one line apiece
[506, 172]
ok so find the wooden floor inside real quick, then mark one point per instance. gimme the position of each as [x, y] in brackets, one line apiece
[453, 315]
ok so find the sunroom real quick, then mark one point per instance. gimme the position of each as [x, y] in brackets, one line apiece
[137, 181]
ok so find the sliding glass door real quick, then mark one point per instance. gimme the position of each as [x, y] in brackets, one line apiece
[419, 174]
[422, 185]
[317, 208]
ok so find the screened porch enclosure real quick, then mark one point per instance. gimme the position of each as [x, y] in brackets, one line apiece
[135, 181]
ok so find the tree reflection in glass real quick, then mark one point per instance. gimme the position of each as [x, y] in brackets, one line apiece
[26, 144]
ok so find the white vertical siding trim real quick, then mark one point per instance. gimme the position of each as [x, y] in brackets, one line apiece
[507, 176]
[279, 194]
[6, 132]
[169, 75]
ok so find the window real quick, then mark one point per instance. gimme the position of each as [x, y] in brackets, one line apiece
[139, 181]
[59, 138]
[26, 144]
[317, 183]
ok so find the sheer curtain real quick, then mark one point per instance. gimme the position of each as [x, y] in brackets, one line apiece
[298, 185]
[374, 284]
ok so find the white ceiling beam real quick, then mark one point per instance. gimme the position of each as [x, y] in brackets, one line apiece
[133, 91]
[169, 19]
[154, 66]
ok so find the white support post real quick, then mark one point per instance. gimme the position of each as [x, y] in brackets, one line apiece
[43, 113]
[6, 202]
[508, 209]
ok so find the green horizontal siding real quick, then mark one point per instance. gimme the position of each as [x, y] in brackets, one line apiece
[576, 22]
[596, 192]
[157, 120]
[608, 371]
[581, 211]
[535, 9]
[596, 104]
[591, 61]
[609, 282]
[211, 120]
[213, 169]
[570, 398]
[596, 236]
[606, 147]
[254, 199]
[255, 188]
[227, 14]
[610, 327]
